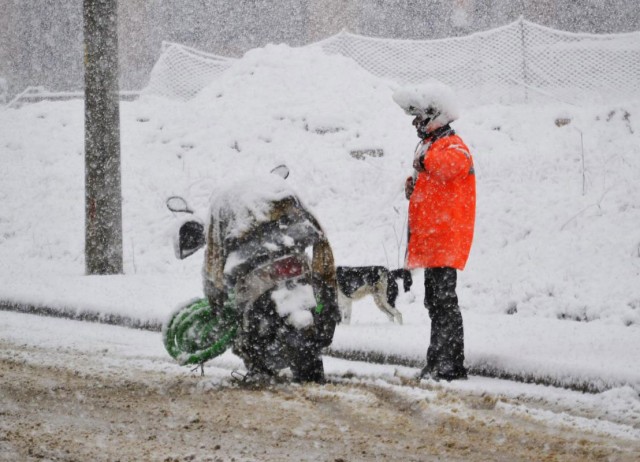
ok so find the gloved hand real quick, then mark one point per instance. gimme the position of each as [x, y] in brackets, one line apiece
[418, 163]
[408, 187]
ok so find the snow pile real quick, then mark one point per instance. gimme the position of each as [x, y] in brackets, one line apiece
[558, 208]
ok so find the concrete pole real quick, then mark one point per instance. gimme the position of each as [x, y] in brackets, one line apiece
[103, 196]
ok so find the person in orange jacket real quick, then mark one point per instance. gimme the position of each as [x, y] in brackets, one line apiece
[442, 199]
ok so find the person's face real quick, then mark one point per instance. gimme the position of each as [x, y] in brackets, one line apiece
[420, 124]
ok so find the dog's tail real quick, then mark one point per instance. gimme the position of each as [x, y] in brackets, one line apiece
[405, 275]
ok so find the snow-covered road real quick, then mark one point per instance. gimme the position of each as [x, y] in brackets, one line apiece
[84, 391]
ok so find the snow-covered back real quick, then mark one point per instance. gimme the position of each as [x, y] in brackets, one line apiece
[243, 202]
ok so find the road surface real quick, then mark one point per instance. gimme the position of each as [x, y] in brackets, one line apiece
[72, 391]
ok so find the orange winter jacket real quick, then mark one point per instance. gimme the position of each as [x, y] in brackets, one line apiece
[442, 206]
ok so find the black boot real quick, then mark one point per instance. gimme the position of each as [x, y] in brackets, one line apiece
[308, 369]
[445, 356]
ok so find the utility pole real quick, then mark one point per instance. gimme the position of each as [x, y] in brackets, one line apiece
[103, 196]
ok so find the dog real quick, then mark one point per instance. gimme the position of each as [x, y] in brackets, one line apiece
[356, 282]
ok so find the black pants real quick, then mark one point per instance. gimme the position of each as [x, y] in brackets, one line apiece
[445, 356]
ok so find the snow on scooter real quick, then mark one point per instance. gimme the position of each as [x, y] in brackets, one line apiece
[269, 282]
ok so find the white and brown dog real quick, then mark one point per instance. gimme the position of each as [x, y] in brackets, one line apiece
[356, 282]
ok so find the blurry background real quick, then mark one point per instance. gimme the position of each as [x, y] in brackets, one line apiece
[41, 40]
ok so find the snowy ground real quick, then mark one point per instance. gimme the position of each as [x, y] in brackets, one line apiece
[83, 391]
[557, 225]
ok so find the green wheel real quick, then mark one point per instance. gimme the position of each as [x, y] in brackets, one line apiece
[194, 335]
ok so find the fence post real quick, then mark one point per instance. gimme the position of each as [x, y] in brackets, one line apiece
[525, 74]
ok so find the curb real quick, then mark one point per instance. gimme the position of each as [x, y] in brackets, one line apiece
[484, 370]
[87, 316]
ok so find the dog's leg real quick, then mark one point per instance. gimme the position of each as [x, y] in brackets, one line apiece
[344, 303]
[398, 316]
[380, 297]
[392, 296]
[407, 280]
[383, 306]
[347, 312]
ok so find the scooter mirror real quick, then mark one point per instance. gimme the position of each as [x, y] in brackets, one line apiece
[190, 239]
[282, 171]
[178, 204]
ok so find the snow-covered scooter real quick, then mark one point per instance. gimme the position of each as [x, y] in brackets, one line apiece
[269, 283]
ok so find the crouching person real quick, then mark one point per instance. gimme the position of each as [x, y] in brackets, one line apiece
[257, 263]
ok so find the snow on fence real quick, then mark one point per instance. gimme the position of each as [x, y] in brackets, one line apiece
[519, 62]
[36, 94]
[181, 71]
